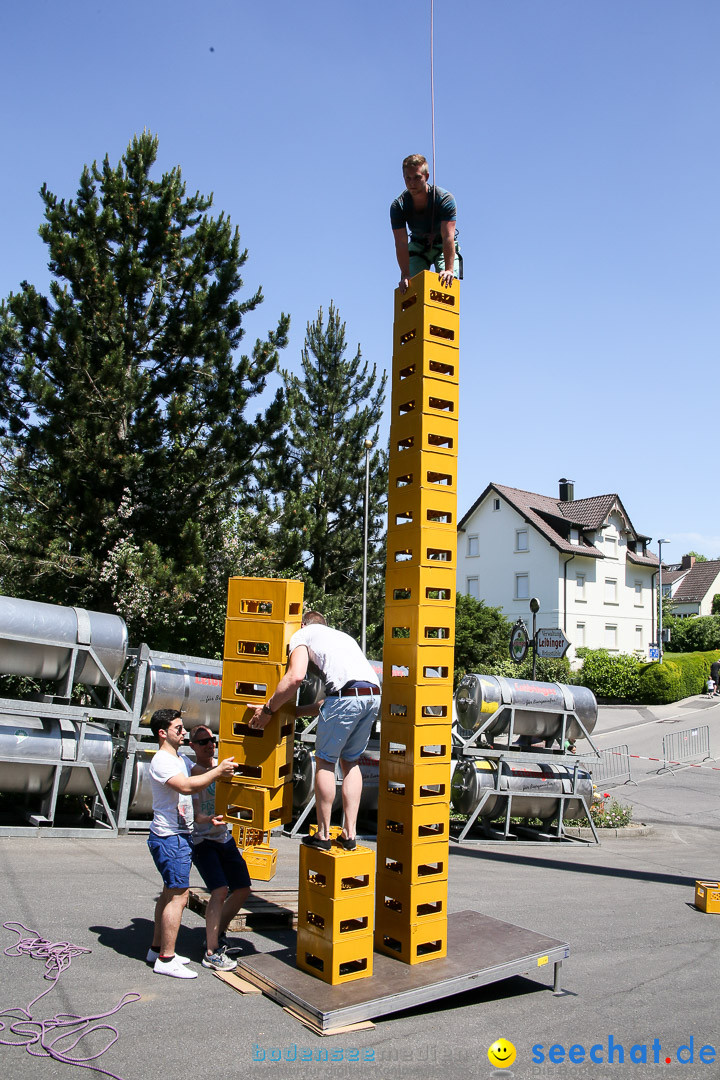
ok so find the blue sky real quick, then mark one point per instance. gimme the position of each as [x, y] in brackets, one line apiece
[580, 138]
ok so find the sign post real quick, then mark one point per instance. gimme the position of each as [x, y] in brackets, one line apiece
[551, 643]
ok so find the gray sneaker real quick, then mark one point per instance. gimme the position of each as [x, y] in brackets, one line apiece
[219, 961]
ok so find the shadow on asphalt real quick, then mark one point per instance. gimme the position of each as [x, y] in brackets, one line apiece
[574, 867]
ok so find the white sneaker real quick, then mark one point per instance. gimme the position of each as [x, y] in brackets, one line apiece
[173, 967]
[153, 954]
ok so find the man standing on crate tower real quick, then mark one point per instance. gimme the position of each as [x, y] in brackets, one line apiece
[429, 213]
[347, 715]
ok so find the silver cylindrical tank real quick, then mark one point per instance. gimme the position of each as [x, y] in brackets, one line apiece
[304, 778]
[65, 625]
[26, 737]
[188, 683]
[478, 698]
[526, 782]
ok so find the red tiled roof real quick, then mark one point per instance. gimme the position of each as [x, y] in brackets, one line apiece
[697, 581]
[554, 518]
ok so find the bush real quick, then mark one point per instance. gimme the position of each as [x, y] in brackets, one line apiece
[660, 683]
[608, 813]
[613, 677]
[547, 669]
[698, 633]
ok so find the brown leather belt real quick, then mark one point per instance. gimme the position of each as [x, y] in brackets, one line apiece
[356, 691]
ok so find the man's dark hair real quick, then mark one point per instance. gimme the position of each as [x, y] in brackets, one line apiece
[313, 618]
[197, 729]
[161, 720]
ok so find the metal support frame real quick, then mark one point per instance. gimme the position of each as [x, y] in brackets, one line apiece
[561, 797]
[469, 743]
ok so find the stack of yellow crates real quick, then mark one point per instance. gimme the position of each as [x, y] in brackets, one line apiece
[262, 616]
[336, 898]
[416, 719]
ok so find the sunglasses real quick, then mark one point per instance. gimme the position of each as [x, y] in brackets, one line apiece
[203, 742]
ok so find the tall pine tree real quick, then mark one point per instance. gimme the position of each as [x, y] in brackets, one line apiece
[333, 408]
[124, 433]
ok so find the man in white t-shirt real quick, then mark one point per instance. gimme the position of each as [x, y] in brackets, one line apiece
[347, 715]
[170, 840]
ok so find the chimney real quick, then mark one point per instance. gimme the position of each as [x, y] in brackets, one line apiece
[567, 490]
[688, 561]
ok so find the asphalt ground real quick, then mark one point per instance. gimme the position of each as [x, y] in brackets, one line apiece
[643, 973]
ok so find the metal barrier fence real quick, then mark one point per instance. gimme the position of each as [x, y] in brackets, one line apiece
[614, 765]
[682, 746]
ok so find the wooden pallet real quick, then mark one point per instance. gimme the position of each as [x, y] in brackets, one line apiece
[272, 909]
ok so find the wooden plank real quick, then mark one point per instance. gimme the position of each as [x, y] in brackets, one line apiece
[271, 909]
[363, 1025]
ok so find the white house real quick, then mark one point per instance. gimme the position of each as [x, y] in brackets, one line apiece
[582, 558]
[691, 585]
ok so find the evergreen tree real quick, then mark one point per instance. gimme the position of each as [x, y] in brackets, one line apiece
[334, 407]
[123, 431]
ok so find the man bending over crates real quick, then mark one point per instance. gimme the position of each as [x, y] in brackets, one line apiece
[347, 715]
[216, 856]
[429, 213]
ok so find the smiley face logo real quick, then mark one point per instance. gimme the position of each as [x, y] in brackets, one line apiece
[502, 1053]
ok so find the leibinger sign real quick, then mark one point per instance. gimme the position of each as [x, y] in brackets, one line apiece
[611, 1052]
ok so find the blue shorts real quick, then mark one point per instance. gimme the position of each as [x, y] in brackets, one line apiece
[344, 727]
[173, 858]
[221, 865]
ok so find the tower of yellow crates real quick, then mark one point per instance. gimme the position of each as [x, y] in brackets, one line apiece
[414, 800]
[262, 616]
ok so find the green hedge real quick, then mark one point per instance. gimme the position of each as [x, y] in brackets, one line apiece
[660, 684]
[611, 677]
[699, 633]
[618, 677]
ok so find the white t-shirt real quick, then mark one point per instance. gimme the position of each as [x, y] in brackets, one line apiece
[172, 812]
[204, 803]
[339, 657]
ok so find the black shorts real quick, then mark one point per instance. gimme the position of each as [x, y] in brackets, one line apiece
[221, 865]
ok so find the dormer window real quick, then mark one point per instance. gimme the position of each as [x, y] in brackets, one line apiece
[574, 536]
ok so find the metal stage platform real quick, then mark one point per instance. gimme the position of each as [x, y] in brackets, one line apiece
[481, 950]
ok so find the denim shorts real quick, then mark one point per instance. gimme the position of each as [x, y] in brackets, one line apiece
[344, 727]
[173, 858]
[221, 865]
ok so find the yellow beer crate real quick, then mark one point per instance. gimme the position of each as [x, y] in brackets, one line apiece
[335, 962]
[336, 919]
[425, 290]
[423, 824]
[259, 763]
[235, 723]
[416, 705]
[261, 861]
[409, 585]
[404, 786]
[436, 397]
[254, 807]
[418, 545]
[422, 468]
[707, 896]
[250, 681]
[337, 873]
[265, 599]
[410, 744]
[413, 943]
[264, 642]
[416, 665]
[422, 624]
[421, 431]
[415, 903]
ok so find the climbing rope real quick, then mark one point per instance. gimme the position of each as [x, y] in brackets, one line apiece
[41, 1038]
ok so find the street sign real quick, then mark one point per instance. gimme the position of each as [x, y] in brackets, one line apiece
[519, 642]
[654, 652]
[551, 643]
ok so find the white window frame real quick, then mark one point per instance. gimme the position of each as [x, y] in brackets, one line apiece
[469, 582]
[518, 578]
[470, 553]
[579, 632]
[496, 505]
[639, 594]
[611, 581]
[611, 543]
[522, 532]
[580, 597]
[611, 627]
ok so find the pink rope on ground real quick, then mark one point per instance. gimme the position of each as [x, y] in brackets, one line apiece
[41, 1037]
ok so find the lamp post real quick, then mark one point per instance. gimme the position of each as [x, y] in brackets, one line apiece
[660, 648]
[363, 632]
[534, 607]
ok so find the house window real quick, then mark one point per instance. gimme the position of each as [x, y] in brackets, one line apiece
[579, 635]
[639, 638]
[473, 546]
[574, 536]
[667, 590]
[522, 586]
[611, 636]
[521, 540]
[611, 549]
[611, 590]
[580, 588]
[496, 504]
[472, 587]
[639, 601]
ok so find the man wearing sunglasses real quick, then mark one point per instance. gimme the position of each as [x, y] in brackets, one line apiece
[170, 841]
[216, 857]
